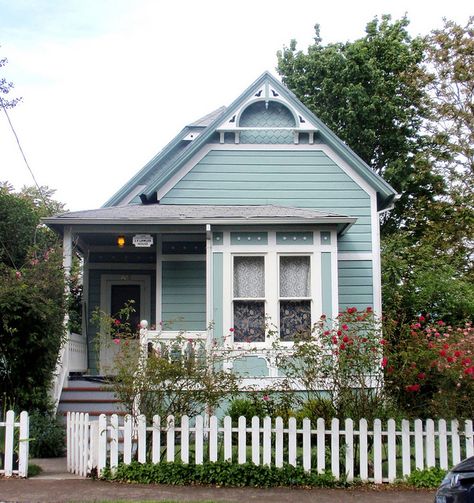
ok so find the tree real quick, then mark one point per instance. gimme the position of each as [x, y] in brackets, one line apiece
[5, 88]
[32, 300]
[372, 94]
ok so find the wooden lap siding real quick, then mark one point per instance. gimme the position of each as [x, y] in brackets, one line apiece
[355, 284]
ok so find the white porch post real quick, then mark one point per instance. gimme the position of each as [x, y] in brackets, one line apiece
[67, 263]
[209, 315]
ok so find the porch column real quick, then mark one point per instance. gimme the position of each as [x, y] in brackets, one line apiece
[67, 263]
[209, 314]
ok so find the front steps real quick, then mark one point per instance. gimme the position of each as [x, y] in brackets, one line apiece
[89, 394]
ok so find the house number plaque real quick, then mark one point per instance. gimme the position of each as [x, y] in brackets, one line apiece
[142, 240]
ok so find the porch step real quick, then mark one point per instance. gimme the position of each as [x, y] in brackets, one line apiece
[89, 394]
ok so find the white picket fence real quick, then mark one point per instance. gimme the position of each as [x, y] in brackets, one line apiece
[378, 454]
[14, 445]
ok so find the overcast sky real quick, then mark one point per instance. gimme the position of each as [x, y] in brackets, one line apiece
[107, 83]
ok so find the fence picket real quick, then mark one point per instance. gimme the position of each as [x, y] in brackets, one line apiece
[114, 441]
[335, 447]
[391, 450]
[170, 438]
[141, 438]
[377, 451]
[307, 445]
[468, 432]
[255, 440]
[102, 461]
[321, 445]
[156, 440]
[24, 445]
[80, 440]
[213, 438]
[349, 434]
[443, 444]
[76, 444]
[267, 440]
[406, 452]
[292, 441]
[185, 439]
[278, 442]
[363, 455]
[127, 439]
[456, 444]
[227, 438]
[85, 453]
[199, 435]
[9, 431]
[419, 444]
[68, 441]
[242, 440]
[430, 444]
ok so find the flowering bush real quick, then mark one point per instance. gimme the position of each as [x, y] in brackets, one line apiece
[430, 368]
[338, 367]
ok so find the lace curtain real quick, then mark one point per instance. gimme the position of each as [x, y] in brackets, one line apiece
[294, 277]
[249, 277]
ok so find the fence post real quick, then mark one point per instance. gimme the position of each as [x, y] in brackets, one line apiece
[9, 427]
[142, 438]
[24, 445]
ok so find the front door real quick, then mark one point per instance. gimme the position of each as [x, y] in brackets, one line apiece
[116, 292]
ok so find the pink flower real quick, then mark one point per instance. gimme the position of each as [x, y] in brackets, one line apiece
[412, 387]
[421, 375]
[117, 322]
[345, 327]
[369, 309]
[421, 319]
[231, 329]
[18, 274]
[326, 332]
[345, 338]
[384, 362]
[383, 342]
[116, 341]
[266, 398]
[342, 346]
[323, 316]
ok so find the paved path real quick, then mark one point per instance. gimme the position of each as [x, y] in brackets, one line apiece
[55, 485]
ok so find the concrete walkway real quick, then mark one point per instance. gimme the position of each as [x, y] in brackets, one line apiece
[55, 485]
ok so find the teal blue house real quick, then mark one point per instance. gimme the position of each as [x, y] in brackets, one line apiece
[255, 212]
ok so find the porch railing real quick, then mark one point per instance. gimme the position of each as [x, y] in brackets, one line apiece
[72, 358]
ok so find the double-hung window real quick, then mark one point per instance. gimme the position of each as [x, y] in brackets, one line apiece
[249, 298]
[294, 296]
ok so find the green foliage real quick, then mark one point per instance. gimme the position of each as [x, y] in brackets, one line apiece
[220, 473]
[344, 357]
[31, 331]
[429, 478]
[34, 470]
[47, 436]
[179, 377]
[429, 369]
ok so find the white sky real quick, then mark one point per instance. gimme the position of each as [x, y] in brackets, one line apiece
[107, 83]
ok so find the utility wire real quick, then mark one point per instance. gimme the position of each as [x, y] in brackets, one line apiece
[22, 153]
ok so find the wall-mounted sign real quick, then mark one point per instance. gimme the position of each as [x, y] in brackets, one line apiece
[142, 240]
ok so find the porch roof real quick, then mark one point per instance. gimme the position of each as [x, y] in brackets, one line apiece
[199, 214]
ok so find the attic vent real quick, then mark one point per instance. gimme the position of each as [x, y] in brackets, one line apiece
[302, 121]
[259, 94]
[259, 116]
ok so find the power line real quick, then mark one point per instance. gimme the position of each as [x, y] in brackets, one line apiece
[22, 153]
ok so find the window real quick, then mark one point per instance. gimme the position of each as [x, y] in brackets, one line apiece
[294, 296]
[249, 299]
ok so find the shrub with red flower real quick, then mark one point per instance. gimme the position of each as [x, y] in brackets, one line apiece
[432, 373]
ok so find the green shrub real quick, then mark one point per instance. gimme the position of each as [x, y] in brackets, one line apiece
[429, 478]
[220, 473]
[47, 436]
